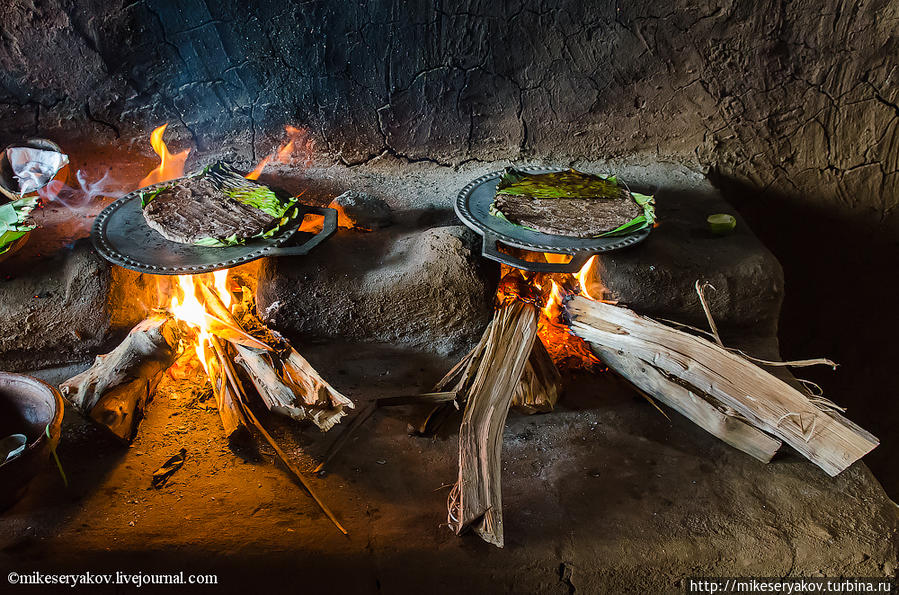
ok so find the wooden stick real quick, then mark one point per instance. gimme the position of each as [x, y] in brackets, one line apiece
[694, 407]
[116, 389]
[476, 499]
[540, 385]
[438, 397]
[824, 437]
[282, 456]
[298, 390]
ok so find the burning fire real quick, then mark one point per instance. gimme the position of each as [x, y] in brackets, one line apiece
[189, 309]
[550, 290]
[298, 142]
[170, 166]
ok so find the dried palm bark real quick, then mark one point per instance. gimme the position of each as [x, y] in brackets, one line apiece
[476, 500]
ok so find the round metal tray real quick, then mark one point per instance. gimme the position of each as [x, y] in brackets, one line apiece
[121, 235]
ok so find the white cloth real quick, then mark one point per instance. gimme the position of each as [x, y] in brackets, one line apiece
[34, 168]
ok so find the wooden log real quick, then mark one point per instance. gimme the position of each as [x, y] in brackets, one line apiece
[823, 436]
[476, 499]
[115, 390]
[226, 397]
[540, 386]
[691, 405]
[286, 382]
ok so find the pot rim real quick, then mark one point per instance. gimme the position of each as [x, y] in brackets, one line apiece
[56, 420]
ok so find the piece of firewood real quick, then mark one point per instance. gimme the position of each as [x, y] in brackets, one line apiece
[540, 385]
[285, 381]
[691, 405]
[116, 389]
[476, 499]
[226, 397]
[823, 436]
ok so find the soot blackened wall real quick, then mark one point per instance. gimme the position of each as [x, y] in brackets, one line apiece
[798, 98]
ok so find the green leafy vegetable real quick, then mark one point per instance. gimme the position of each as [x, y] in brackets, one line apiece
[12, 220]
[146, 197]
[261, 197]
[563, 184]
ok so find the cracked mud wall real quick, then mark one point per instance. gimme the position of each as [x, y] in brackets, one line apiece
[796, 98]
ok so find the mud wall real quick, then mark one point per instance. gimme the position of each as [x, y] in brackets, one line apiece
[797, 98]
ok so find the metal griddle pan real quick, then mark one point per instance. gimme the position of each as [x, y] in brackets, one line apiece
[473, 208]
[121, 235]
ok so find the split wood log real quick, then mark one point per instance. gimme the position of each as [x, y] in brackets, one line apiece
[691, 405]
[476, 499]
[540, 385]
[286, 382]
[823, 436]
[538, 391]
[226, 398]
[116, 389]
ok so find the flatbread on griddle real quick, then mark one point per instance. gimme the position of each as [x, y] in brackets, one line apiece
[574, 217]
[570, 203]
[193, 209]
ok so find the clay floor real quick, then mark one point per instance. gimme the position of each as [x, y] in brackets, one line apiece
[603, 495]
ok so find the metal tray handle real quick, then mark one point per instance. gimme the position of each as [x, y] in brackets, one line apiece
[329, 226]
[489, 250]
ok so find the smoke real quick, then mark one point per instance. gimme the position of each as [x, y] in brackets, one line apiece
[84, 197]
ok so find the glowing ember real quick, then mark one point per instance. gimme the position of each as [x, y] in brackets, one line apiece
[298, 145]
[550, 290]
[170, 166]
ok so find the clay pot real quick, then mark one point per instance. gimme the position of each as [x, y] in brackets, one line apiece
[27, 406]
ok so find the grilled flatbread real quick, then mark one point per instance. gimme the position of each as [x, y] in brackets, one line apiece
[216, 207]
[195, 208]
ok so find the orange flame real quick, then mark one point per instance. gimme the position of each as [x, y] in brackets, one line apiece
[585, 277]
[170, 166]
[189, 309]
[551, 290]
[220, 282]
[553, 306]
[298, 142]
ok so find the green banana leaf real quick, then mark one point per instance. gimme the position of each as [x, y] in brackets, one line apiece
[563, 184]
[573, 184]
[12, 220]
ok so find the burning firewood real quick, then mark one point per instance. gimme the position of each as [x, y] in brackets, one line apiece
[285, 381]
[476, 499]
[540, 385]
[709, 370]
[115, 390]
[226, 397]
